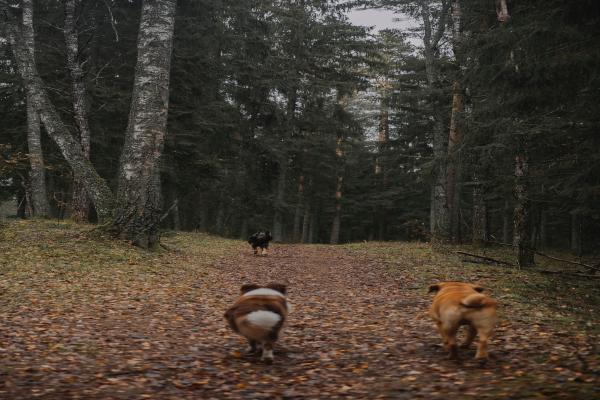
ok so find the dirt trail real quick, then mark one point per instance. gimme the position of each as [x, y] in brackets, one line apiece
[358, 329]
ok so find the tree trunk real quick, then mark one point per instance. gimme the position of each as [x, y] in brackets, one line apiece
[306, 223]
[71, 150]
[576, 233]
[479, 215]
[543, 229]
[454, 139]
[440, 220]
[380, 167]
[335, 226]
[80, 202]
[298, 213]
[37, 175]
[138, 196]
[220, 222]
[505, 223]
[522, 239]
[280, 201]
[244, 229]
[313, 234]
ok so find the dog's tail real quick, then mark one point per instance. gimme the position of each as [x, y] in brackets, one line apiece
[263, 319]
[478, 300]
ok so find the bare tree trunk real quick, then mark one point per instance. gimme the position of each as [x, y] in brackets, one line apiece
[454, 139]
[440, 220]
[138, 197]
[220, 222]
[522, 239]
[306, 223]
[335, 226]
[576, 233]
[298, 214]
[97, 188]
[80, 202]
[244, 229]
[314, 228]
[543, 229]
[280, 201]
[380, 167]
[505, 223]
[39, 195]
[479, 215]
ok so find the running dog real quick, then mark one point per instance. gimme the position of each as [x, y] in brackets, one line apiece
[456, 304]
[260, 240]
[258, 315]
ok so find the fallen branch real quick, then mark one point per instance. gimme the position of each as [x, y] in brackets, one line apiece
[592, 267]
[543, 271]
[488, 259]
[166, 214]
[595, 267]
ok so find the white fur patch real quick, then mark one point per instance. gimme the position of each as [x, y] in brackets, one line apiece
[267, 354]
[263, 319]
[264, 292]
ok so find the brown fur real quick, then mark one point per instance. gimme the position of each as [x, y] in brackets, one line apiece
[457, 304]
[237, 314]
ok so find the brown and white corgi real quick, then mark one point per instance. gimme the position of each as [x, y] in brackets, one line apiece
[258, 315]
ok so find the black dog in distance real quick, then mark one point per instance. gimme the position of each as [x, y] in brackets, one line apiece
[260, 240]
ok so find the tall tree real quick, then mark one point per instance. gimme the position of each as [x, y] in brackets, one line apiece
[79, 202]
[138, 196]
[70, 148]
[37, 183]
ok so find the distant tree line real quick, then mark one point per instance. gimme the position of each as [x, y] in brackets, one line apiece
[282, 115]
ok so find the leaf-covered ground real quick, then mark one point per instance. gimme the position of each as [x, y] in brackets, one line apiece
[85, 317]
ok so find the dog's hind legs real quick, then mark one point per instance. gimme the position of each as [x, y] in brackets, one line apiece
[482, 352]
[471, 333]
[449, 335]
[252, 347]
[267, 352]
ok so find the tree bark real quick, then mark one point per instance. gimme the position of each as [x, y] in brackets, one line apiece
[39, 196]
[280, 201]
[505, 223]
[335, 226]
[138, 197]
[298, 213]
[306, 223]
[440, 223]
[576, 246]
[479, 215]
[313, 233]
[522, 239]
[80, 201]
[71, 150]
[380, 167]
[454, 139]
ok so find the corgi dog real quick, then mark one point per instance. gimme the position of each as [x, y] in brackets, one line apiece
[458, 303]
[258, 315]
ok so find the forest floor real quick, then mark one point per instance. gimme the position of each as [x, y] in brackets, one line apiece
[85, 317]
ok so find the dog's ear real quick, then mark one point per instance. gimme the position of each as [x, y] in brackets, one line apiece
[478, 288]
[248, 287]
[434, 288]
[280, 287]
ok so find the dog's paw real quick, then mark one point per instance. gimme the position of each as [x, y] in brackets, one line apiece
[482, 362]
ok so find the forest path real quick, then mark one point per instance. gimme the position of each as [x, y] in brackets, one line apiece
[134, 325]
